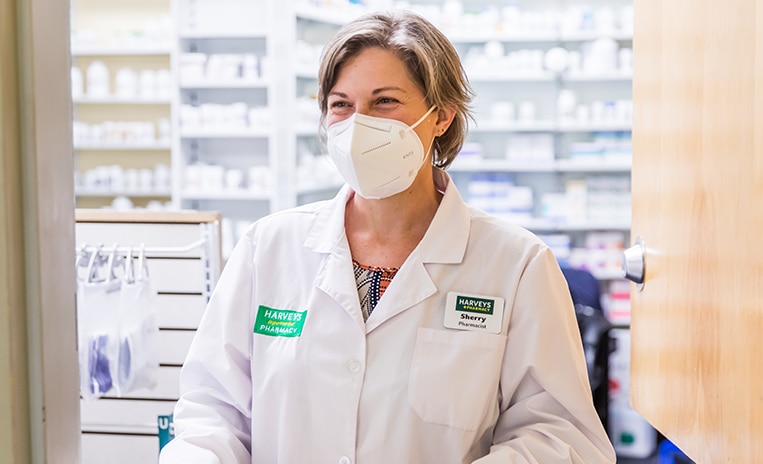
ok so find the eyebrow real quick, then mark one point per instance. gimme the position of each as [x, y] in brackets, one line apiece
[374, 92]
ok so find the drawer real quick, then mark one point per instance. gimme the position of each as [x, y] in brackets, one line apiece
[177, 275]
[173, 346]
[127, 416]
[179, 311]
[119, 449]
[167, 386]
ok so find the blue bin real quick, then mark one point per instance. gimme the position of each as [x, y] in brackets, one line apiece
[670, 454]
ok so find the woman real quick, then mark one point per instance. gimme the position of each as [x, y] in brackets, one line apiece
[392, 324]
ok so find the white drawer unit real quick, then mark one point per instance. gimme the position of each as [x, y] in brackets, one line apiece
[183, 259]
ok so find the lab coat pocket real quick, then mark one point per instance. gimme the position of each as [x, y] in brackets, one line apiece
[454, 376]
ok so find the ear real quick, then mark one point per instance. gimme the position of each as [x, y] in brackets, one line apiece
[445, 116]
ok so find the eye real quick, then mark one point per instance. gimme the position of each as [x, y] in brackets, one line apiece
[386, 100]
[340, 107]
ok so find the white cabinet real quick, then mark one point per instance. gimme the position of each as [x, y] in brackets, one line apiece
[183, 260]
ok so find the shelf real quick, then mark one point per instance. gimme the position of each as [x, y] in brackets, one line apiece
[593, 35]
[223, 195]
[545, 126]
[335, 16]
[214, 35]
[476, 38]
[483, 37]
[229, 84]
[124, 146]
[319, 189]
[226, 134]
[610, 77]
[539, 224]
[120, 101]
[306, 130]
[90, 192]
[499, 165]
[305, 72]
[619, 164]
[492, 126]
[594, 128]
[525, 77]
[120, 51]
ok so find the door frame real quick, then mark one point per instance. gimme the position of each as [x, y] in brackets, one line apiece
[38, 341]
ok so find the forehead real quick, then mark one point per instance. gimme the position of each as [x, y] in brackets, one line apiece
[374, 68]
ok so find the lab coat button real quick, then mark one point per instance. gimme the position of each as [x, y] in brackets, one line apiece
[354, 367]
[344, 460]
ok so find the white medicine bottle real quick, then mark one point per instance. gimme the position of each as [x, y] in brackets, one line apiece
[97, 80]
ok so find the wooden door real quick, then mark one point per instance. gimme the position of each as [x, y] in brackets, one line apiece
[697, 325]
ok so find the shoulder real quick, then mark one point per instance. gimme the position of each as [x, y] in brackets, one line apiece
[501, 233]
[290, 220]
[297, 227]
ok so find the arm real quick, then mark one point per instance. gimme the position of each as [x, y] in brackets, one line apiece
[547, 414]
[212, 417]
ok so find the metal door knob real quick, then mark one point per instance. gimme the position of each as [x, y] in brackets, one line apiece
[634, 267]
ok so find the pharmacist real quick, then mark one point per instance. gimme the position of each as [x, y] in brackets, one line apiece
[392, 324]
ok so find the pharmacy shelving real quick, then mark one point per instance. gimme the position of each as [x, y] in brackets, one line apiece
[287, 144]
[508, 66]
[225, 143]
[306, 28]
[121, 62]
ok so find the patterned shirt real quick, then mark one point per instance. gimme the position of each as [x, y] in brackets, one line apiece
[372, 281]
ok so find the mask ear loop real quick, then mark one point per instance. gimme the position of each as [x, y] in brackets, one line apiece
[414, 126]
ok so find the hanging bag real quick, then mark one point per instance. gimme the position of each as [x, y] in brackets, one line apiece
[138, 329]
[98, 322]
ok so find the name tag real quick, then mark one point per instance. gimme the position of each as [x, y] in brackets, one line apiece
[478, 313]
[279, 322]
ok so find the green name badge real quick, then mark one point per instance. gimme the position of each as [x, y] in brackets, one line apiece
[279, 322]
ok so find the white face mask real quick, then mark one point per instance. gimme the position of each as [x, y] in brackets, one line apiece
[377, 157]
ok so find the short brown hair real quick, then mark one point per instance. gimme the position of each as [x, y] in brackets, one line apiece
[432, 63]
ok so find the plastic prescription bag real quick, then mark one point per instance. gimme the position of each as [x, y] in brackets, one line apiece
[138, 329]
[98, 325]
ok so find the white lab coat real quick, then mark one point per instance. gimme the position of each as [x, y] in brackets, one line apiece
[400, 387]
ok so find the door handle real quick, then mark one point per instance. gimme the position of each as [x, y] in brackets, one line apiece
[634, 263]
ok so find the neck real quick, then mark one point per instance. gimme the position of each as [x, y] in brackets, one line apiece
[395, 215]
[384, 232]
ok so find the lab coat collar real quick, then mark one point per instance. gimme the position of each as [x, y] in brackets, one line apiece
[445, 239]
[444, 242]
